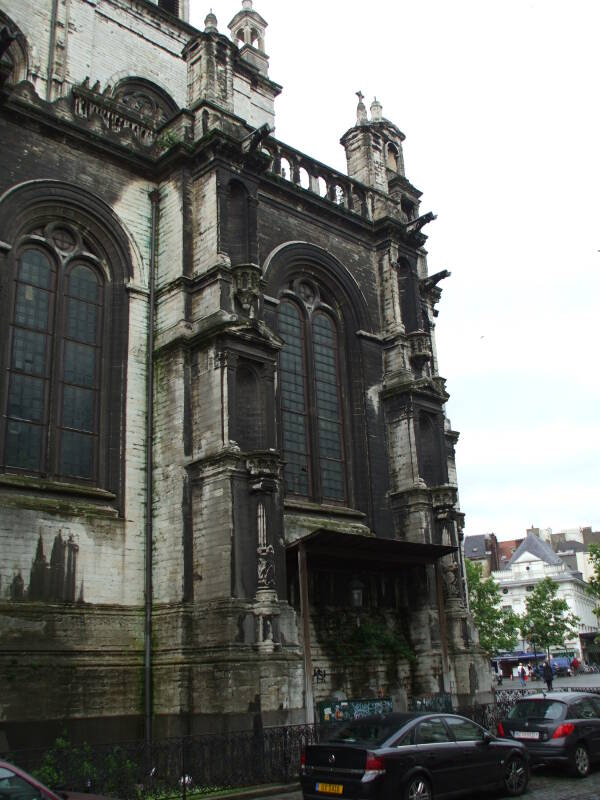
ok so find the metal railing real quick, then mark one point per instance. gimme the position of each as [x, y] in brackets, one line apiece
[195, 765]
[190, 765]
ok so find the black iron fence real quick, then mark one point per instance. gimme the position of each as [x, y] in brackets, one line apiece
[188, 766]
[194, 765]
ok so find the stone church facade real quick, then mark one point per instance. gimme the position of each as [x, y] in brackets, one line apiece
[227, 481]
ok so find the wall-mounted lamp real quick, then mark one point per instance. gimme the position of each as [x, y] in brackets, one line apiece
[357, 589]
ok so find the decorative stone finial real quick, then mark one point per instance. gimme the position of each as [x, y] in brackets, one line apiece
[361, 110]
[247, 4]
[210, 23]
[376, 111]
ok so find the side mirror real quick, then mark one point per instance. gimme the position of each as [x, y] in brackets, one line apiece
[487, 737]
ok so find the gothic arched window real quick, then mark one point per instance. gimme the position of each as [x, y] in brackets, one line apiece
[54, 365]
[310, 396]
[14, 55]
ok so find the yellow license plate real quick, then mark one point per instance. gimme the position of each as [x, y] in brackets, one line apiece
[330, 788]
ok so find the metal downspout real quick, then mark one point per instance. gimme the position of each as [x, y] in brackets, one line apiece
[155, 200]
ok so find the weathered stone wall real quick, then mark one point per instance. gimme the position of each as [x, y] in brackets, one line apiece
[225, 641]
[106, 41]
[84, 659]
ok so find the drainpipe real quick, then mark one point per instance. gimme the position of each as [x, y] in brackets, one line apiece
[155, 200]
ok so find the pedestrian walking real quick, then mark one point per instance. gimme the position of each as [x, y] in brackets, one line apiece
[521, 672]
[548, 674]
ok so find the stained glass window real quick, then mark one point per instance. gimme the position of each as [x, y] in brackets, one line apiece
[312, 433]
[293, 400]
[80, 383]
[328, 407]
[29, 374]
[52, 402]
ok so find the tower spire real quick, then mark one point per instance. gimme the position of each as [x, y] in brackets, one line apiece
[248, 31]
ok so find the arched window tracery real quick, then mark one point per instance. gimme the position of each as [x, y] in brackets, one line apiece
[13, 50]
[64, 313]
[311, 396]
[54, 367]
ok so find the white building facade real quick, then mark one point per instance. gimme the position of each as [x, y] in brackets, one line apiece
[533, 561]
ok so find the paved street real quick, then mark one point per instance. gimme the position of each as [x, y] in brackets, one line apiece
[549, 784]
[580, 681]
[545, 784]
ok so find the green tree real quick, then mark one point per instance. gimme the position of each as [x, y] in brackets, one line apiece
[497, 626]
[547, 620]
[593, 587]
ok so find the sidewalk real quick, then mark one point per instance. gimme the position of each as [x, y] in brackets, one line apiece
[289, 791]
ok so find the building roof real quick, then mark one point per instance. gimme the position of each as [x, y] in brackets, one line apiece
[507, 548]
[541, 550]
[475, 546]
[570, 545]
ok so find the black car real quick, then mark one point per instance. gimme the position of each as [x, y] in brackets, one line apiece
[557, 727]
[412, 756]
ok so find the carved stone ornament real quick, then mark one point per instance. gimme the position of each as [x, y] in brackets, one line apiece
[263, 466]
[266, 567]
[246, 288]
[265, 553]
[451, 587]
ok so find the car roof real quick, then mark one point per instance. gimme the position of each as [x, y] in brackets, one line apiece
[563, 697]
[400, 718]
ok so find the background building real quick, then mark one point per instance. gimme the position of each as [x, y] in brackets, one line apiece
[535, 560]
[227, 481]
[485, 550]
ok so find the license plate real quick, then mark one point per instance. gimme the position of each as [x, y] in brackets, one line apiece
[330, 788]
[526, 734]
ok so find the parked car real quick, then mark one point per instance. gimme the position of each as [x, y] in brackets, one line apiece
[557, 727]
[16, 784]
[412, 756]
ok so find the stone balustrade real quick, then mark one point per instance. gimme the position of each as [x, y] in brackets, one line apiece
[311, 175]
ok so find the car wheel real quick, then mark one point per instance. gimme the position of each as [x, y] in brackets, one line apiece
[516, 776]
[418, 788]
[580, 763]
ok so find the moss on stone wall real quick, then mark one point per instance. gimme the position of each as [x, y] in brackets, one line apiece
[358, 643]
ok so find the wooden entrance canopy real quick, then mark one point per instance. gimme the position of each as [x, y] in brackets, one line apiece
[327, 548]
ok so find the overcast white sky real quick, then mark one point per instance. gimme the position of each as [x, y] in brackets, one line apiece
[499, 103]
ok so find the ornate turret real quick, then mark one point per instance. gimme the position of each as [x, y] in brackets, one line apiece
[248, 30]
[373, 147]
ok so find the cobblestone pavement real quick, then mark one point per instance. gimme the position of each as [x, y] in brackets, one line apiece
[545, 784]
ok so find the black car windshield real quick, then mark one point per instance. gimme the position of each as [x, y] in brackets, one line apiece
[538, 709]
[371, 732]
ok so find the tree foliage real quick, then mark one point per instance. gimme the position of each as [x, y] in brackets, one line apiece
[547, 621]
[593, 587]
[497, 626]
